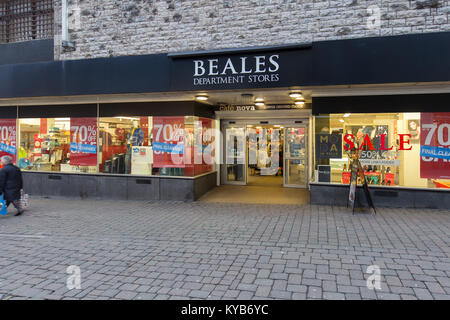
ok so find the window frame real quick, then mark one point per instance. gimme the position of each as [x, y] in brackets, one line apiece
[33, 23]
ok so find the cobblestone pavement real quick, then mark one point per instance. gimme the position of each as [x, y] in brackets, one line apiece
[176, 250]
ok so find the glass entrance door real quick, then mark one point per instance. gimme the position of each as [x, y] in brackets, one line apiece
[235, 153]
[295, 157]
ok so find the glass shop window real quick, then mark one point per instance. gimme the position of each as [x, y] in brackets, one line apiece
[58, 144]
[166, 146]
[395, 149]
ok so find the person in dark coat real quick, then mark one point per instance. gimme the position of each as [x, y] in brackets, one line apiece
[11, 183]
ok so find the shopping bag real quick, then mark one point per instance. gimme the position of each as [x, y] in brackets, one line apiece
[24, 200]
[3, 209]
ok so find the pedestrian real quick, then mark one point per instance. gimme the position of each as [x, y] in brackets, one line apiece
[11, 183]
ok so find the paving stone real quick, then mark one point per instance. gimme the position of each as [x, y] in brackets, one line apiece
[206, 250]
[127, 295]
[199, 294]
[352, 296]
[388, 296]
[333, 296]
[278, 294]
[347, 289]
[298, 296]
[314, 292]
[368, 293]
[422, 294]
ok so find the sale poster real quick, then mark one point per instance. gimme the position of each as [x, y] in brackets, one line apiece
[8, 138]
[435, 145]
[83, 141]
[168, 142]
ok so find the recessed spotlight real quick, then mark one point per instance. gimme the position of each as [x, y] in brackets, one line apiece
[295, 95]
[201, 97]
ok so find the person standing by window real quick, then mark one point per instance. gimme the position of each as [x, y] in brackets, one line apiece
[11, 183]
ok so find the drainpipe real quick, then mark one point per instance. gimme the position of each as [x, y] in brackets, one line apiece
[65, 40]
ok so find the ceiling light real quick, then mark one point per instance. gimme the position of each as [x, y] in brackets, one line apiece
[300, 103]
[259, 104]
[126, 118]
[259, 100]
[347, 115]
[341, 120]
[201, 97]
[295, 95]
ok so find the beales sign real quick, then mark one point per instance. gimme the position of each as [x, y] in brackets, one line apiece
[261, 68]
[282, 68]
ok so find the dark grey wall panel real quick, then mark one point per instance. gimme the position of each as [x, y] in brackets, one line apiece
[57, 185]
[83, 186]
[142, 188]
[382, 103]
[59, 111]
[149, 73]
[176, 189]
[32, 183]
[393, 59]
[112, 188]
[205, 183]
[382, 197]
[326, 195]
[8, 112]
[27, 51]
[434, 200]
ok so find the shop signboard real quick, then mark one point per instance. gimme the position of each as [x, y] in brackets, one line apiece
[8, 138]
[324, 173]
[435, 145]
[328, 146]
[83, 142]
[248, 108]
[261, 69]
[168, 142]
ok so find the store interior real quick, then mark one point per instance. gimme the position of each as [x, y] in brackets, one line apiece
[265, 155]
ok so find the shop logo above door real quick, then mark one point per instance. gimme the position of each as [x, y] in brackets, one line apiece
[261, 69]
[254, 69]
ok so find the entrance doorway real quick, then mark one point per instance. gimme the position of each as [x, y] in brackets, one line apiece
[265, 153]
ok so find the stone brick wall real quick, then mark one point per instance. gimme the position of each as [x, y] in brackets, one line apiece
[104, 28]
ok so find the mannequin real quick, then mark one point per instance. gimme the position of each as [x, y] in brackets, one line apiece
[136, 139]
[137, 135]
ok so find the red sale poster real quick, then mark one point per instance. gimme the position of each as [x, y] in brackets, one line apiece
[8, 138]
[83, 141]
[168, 142]
[435, 145]
[143, 121]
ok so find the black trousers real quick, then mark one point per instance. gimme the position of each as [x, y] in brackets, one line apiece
[16, 204]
